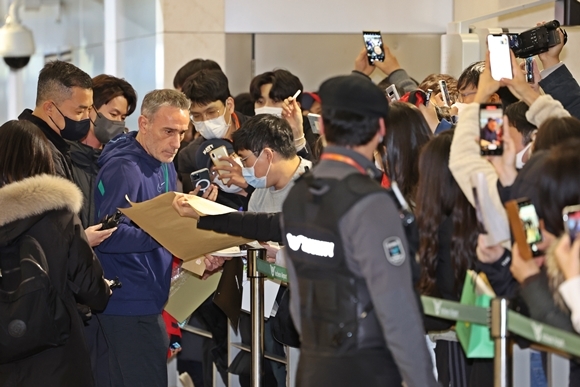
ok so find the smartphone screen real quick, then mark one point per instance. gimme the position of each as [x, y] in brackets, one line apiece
[499, 57]
[531, 222]
[445, 93]
[374, 45]
[529, 66]
[514, 41]
[491, 129]
[314, 120]
[571, 216]
[392, 93]
[202, 178]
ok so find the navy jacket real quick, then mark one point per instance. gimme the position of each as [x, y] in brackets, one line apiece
[142, 264]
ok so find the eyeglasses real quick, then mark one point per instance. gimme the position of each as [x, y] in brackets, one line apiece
[209, 114]
[463, 96]
[243, 160]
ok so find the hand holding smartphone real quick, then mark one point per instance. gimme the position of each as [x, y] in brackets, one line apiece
[491, 129]
[525, 226]
[215, 156]
[392, 93]
[571, 217]
[374, 46]
[500, 60]
[201, 178]
[445, 93]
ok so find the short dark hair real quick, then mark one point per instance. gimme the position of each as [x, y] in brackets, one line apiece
[244, 104]
[344, 128]
[470, 76]
[284, 85]
[516, 114]
[192, 67]
[406, 135]
[24, 152]
[56, 80]
[559, 184]
[107, 87]
[265, 130]
[207, 86]
[555, 131]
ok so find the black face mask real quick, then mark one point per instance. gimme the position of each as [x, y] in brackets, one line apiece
[73, 130]
[106, 129]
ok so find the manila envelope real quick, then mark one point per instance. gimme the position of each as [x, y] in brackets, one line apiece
[180, 235]
[189, 293]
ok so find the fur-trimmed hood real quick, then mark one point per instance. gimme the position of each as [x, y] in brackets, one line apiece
[37, 195]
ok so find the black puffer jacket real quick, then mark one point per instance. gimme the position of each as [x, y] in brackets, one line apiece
[44, 207]
[85, 169]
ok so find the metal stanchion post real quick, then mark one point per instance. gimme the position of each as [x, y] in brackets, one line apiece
[257, 315]
[499, 332]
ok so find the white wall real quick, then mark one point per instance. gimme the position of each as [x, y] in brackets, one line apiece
[79, 26]
[337, 16]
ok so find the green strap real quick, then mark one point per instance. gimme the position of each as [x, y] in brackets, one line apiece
[272, 271]
[166, 174]
[518, 324]
[543, 334]
[455, 311]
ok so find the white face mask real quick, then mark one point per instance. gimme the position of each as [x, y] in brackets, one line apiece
[520, 156]
[214, 128]
[275, 111]
[460, 106]
[231, 189]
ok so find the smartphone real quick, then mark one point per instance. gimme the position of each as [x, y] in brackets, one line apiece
[374, 45]
[314, 120]
[201, 178]
[491, 129]
[499, 56]
[529, 67]
[428, 97]
[215, 155]
[531, 222]
[445, 93]
[111, 221]
[392, 93]
[571, 216]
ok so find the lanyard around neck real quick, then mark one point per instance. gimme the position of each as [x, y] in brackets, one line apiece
[343, 159]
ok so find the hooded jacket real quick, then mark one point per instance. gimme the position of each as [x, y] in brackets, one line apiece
[142, 265]
[44, 207]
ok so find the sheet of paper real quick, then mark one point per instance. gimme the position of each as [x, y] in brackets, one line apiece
[207, 207]
[177, 234]
[270, 292]
[196, 266]
[189, 294]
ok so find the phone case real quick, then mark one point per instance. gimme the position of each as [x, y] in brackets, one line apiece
[518, 231]
[201, 177]
[215, 155]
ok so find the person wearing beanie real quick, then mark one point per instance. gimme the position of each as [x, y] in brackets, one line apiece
[352, 298]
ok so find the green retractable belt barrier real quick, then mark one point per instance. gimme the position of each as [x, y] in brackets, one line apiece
[272, 271]
[455, 311]
[518, 324]
[543, 334]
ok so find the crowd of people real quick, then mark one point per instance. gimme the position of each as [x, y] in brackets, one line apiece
[367, 211]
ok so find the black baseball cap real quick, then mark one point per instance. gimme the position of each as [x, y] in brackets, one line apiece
[354, 93]
[202, 157]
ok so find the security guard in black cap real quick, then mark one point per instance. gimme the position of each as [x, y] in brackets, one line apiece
[352, 297]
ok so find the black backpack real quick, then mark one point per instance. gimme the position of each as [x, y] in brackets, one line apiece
[33, 316]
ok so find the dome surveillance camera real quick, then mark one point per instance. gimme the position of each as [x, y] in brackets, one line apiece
[16, 41]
